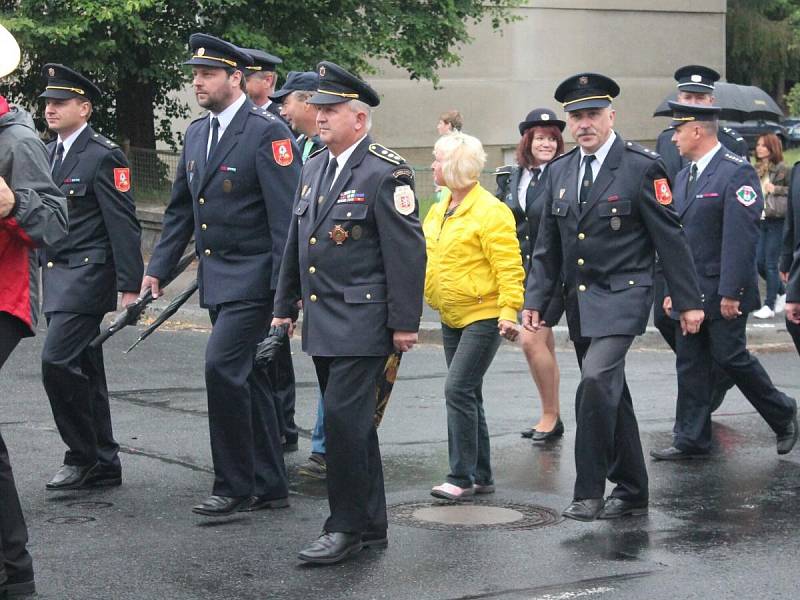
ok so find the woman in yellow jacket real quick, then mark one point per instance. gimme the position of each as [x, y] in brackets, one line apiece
[474, 279]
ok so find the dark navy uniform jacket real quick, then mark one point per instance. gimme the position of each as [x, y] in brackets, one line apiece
[791, 224]
[238, 205]
[674, 162]
[527, 220]
[102, 253]
[357, 292]
[607, 250]
[721, 220]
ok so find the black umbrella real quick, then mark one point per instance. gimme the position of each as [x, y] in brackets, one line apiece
[739, 103]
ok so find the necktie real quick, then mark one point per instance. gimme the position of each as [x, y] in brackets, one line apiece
[214, 136]
[691, 182]
[330, 174]
[59, 158]
[537, 172]
[586, 182]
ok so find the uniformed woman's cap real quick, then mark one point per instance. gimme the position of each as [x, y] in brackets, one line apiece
[689, 113]
[540, 116]
[9, 52]
[586, 90]
[63, 83]
[210, 51]
[262, 61]
[337, 85]
[695, 78]
[297, 81]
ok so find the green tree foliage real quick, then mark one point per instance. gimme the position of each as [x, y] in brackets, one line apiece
[134, 49]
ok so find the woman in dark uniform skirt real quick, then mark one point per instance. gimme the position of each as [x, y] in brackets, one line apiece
[518, 187]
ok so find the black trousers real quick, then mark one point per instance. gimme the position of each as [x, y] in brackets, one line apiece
[607, 444]
[245, 442]
[722, 342]
[14, 558]
[794, 331]
[74, 378]
[281, 379]
[355, 474]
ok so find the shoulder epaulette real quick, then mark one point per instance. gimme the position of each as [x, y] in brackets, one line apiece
[734, 158]
[263, 113]
[386, 154]
[317, 151]
[504, 170]
[638, 148]
[733, 133]
[103, 141]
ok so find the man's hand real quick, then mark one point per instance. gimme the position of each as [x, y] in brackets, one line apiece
[278, 321]
[691, 320]
[784, 275]
[152, 284]
[667, 305]
[530, 320]
[508, 329]
[404, 340]
[128, 298]
[729, 308]
[7, 199]
[793, 312]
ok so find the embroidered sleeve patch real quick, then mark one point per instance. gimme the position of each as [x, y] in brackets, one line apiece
[404, 201]
[122, 179]
[282, 152]
[663, 193]
[746, 195]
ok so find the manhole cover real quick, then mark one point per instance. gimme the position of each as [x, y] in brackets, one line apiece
[70, 520]
[90, 505]
[474, 515]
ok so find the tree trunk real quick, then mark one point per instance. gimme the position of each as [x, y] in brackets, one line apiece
[135, 121]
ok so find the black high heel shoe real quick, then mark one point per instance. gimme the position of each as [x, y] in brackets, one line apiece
[544, 436]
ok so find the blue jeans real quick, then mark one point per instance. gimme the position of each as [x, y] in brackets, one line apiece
[768, 253]
[318, 433]
[469, 352]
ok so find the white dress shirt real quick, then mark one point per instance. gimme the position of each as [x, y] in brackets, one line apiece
[599, 158]
[702, 163]
[67, 143]
[524, 182]
[342, 159]
[225, 118]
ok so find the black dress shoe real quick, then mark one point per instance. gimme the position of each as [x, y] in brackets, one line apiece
[263, 503]
[72, 477]
[528, 433]
[290, 443]
[219, 506]
[673, 453]
[105, 476]
[554, 433]
[331, 548]
[584, 510]
[788, 439]
[617, 507]
[374, 539]
[19, 585]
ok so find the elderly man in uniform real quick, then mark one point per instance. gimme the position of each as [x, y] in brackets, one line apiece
[719, 201]
[695, 86]
[32, 212]
[608, 210]
[298, 112]
[262, 79]
[82, 275]
[356, 258]
[233, 191]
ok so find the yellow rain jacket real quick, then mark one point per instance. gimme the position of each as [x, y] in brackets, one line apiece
[473, 270]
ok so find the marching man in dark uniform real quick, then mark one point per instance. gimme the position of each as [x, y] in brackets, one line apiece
[356, 258]
[608, 209]
[789, 252]
[261, 79]
[81, 277]
[233, 191]
[719, 202]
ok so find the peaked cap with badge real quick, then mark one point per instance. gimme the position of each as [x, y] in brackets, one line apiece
[696, 78]
[586, 90]
[541, 116]
[689, 113]
[210, 51]
[297, 81]
[64, 83]
[262, 61]
[337, 85]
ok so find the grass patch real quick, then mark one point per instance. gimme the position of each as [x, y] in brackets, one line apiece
[791, 156]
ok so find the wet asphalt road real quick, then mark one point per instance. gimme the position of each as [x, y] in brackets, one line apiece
[722, 528]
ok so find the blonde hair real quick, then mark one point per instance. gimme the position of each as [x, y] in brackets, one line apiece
[462, 159]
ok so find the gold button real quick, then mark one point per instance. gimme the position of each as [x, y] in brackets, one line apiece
[207, 252]
[613, 211]
[71, 192]
[86, 259]
[313, 297]
[582, 288]
[527, 257]
[202, 201]
[50, 264]
[312, 241]
[349, 214]
[203, 226]
[580, 262]
[581, 236]
[369, 296]
[527, 237]
[312, 269]
[631, 282]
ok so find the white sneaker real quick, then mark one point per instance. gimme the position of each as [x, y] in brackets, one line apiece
[780, 303]
[765, 312]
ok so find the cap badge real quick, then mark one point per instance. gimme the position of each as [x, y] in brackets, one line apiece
[322, 71]
[201, 51]
[583, 80]
[51, 72]
[544, 117]
[697, 78]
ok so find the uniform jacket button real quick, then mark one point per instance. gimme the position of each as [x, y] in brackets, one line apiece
[201, 201]
[312, 269]
[581, 236]
[312, 241]
[207, 252]
[580, 262]
[313, 297]
[86, 259]
[50, 264]
[582, 288]
[369, 296]
[631, 282]
[203, 226]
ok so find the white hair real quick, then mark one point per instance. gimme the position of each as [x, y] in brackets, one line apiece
[358, 106]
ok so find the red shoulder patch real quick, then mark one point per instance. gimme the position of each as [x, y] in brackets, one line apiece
[663, 193]
[122, 179]
[282, 152]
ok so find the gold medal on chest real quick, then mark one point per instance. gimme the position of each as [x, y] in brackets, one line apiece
[338, 234]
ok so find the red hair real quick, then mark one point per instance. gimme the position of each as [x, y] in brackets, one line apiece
[525, 156]
[774, 146]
